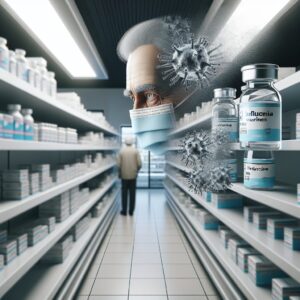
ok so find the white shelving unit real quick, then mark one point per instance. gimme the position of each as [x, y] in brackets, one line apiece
[287, 259]
[214, 243]
[282, 198]
[47, 108]
[43, 281]
[20, 266]
[15, 145]
[10, 209]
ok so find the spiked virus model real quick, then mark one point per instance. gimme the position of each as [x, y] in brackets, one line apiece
[188, 61]
[194, 147]
[197, 181]
[219, 178]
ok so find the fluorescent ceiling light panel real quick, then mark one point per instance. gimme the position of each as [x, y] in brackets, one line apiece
[246, 22]
[44, 22]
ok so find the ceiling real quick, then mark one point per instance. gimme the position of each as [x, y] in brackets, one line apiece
[108, 20]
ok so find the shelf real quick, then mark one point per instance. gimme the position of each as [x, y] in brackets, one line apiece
[47, 108]
[10, 209]
[287, 259]
[173, 148]
[286, 145]
[17, 268]
[282, 198]
[43, 281]
[15, 145]
[213, 242]
[204, 121]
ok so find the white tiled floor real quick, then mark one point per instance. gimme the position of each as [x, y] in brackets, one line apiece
[146, 257]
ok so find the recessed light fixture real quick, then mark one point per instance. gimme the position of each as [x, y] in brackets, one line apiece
[248, 19]
[45, 24]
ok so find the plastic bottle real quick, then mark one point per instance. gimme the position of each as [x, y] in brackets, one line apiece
[28, 124]
[52, 84]
[12, 63]
[260, 108]
[224, 113]
[259, 169]
[4, 54]
[18, 125]
[37, 74]
[42, 67]
[22, 64]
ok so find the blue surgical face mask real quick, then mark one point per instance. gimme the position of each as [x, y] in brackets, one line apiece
[152, 126]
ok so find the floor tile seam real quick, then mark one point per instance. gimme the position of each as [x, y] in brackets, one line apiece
[130, 272]
[100, 262]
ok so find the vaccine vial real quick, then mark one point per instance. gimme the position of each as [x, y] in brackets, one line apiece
[8, 126]
[259, 169]
[260, 108]
[37, 74]
[224, 113]
[18, 121]
[52, 84]
[12, 63]
[42, 67]
[4, 54]
[28, 124]
[22, 64]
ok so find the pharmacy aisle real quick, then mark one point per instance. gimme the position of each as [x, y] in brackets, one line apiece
[147, 257]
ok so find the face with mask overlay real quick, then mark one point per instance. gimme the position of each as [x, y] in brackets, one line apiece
[152, 114]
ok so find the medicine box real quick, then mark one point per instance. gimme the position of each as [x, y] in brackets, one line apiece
[225, 235]
[262, 271]
[233, 245]
[283, 288]
[249, 210]
[275, 226]
[207, 196]
[8, 250]
[260, 218]
[208, 221]
[227, 200]
[243, 255]
[292, 237]
[22, 242]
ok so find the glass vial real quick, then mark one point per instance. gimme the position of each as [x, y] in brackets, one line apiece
[52, 84]
[12, 63]
[260, 108]
[224, 113]
[28, 124]
[259, 169]
[18, 122]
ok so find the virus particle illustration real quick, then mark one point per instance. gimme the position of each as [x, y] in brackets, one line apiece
[219, 178]
[194, 147]
[197, 181]
[188, 61]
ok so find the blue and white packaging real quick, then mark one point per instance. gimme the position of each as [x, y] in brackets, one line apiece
[275, 226]
[260, 218]
[208, 221]
[243, 255]
[259, 173]
[249, 210]
[292, 237]
[8, 126]
[207, 196]
[233, 245]
[227, 200]
[262, 270]
[225, 235]
[284, 288]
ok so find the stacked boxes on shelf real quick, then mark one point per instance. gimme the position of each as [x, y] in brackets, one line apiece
[292, 237]
[60, 251]
[15, 184]
[9, 250]
[285, 288]
[227, 200]
[80, 227]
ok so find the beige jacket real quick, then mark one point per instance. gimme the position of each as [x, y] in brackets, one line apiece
[129, 162]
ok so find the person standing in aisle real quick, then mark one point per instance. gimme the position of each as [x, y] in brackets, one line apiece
[129, 162]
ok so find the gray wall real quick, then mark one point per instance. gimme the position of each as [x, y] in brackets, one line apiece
[116, 107]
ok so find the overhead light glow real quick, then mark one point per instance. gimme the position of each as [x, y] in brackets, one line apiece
[44, 22]
[246, 22]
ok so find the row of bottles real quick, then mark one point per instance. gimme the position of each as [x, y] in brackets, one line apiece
[256, 124]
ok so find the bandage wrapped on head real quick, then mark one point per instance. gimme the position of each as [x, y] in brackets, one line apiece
[152, 115]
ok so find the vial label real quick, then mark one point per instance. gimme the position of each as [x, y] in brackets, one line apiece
[13, 68]
[260, 122]
[22, 71]
[28, 130]
[228, 125]
[4, 59]
[18, 129]
[8, 129]
[232, 164]
[259, 173]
